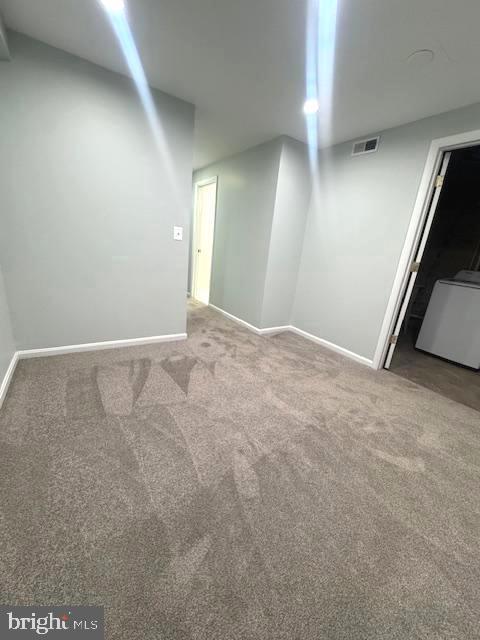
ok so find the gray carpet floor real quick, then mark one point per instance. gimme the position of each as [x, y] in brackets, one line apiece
[237, 487]
[446, 378]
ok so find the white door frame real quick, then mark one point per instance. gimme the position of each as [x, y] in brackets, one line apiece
[198, 185]
[414, 233]
[412, 275]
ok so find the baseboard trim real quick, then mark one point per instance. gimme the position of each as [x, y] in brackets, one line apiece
[270, 331]
[78, 348]
[260, 332]
[333, 347]
[114, 344]
[98, 346]
[8, 378]
[304, 334]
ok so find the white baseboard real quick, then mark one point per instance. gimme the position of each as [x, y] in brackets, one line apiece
[270, 331]
[97, 346]
[300, 332]
[333, 347]
[8, 378]
[78, 348]
[114, 344]
[260, 332]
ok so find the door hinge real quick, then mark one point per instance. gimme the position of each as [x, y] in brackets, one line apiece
[393, 340]
[439, 182]
[414, 267]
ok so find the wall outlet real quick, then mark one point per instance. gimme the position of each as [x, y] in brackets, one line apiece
[178, 233]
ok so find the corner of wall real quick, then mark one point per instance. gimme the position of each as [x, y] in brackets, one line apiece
[8, 354]
[292, 198]
[247, 187]
[263, 315]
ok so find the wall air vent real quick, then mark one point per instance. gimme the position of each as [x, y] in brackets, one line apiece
[365, 146]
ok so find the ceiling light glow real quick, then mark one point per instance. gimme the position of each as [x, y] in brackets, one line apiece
[114, 6]
[311, 106]
[116, 12]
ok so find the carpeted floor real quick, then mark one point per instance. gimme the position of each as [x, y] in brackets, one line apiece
[235, 487]
[446, 378]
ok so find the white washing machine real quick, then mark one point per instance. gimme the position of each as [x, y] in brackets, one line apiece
[451, 326]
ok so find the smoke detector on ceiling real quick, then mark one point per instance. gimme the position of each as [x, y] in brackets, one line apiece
[370, 145]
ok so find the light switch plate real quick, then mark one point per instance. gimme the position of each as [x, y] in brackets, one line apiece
[178, 233]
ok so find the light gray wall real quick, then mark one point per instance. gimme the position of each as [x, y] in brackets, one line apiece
[4, 52]
[87, 207]
[7, 346]
[245, 203]
[356, 231]
[288, 230]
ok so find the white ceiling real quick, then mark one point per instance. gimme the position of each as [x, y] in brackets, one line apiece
[241, 62]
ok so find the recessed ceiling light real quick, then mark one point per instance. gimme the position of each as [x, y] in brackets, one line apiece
[311, 106]
[421, 58]
[114, 6]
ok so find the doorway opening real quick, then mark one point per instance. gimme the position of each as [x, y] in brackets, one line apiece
[436, 340]
[205, 205]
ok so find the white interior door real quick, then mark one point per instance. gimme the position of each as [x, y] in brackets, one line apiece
[418, 257]
[204, 229]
